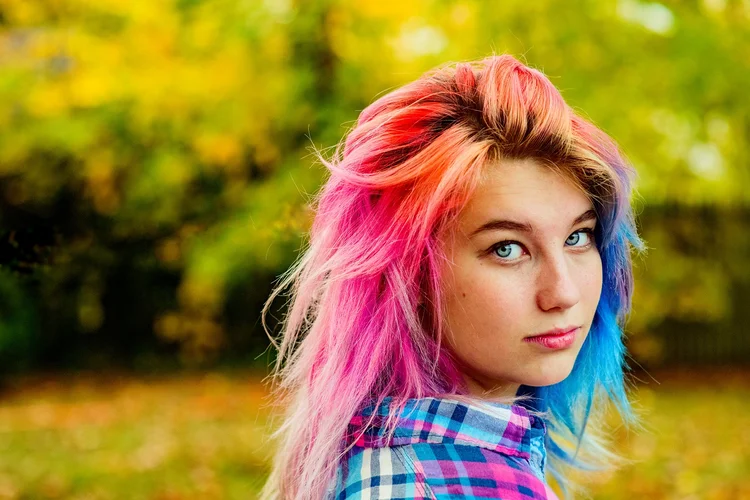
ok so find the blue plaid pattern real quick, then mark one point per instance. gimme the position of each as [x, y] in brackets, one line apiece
[444, 449]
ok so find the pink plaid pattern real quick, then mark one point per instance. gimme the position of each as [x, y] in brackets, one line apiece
[444, 449]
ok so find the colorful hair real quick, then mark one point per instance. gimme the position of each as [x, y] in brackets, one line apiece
[365, 316]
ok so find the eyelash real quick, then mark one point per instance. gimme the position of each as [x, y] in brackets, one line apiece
[500, 244]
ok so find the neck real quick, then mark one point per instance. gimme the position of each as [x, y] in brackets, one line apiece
[488, 389]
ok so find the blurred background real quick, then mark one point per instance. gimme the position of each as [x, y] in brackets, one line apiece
[155, 174]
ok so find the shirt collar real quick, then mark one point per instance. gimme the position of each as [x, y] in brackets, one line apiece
[508, 429]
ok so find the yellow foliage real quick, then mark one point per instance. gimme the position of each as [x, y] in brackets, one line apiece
[177, 115]
[47, 101]
[217, 149]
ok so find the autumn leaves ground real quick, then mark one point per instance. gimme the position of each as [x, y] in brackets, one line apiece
[202, 436]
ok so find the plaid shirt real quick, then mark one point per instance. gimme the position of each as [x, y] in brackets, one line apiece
[444, 449]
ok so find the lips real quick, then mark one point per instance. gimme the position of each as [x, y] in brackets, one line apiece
[556, 332]
[557, 339]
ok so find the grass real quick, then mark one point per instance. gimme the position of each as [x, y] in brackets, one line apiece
[203, 437]
[167, 439]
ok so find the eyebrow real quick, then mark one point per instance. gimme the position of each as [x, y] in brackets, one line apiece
[525, 227]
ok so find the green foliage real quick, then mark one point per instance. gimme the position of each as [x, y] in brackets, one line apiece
[17, 325]
[692, 279]
[171, 138]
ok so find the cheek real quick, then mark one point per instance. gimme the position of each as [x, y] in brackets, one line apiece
[591, 280]
[482, 300]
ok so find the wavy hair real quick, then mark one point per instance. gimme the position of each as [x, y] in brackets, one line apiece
[365, 313]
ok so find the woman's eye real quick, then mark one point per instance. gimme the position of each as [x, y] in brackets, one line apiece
[512, 250]
[575, 239]
[508, 250]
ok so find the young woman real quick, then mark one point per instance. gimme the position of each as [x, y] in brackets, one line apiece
[456, 318]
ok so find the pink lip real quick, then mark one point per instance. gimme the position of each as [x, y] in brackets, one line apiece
[559, 338]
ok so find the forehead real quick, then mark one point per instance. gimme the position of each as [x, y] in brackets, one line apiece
[525, 191]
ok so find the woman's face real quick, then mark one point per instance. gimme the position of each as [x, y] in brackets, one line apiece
[522, 261]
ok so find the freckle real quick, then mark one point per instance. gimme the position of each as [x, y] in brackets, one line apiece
[463, 294]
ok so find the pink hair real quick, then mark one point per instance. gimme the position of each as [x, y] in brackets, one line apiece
[364, 319]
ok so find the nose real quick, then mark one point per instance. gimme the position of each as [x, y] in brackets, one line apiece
[557, 288]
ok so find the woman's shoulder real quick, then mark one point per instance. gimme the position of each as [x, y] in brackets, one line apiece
[385, 472]
[442, 448]
[436, 471]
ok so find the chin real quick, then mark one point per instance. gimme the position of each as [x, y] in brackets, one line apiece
[552, 375]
